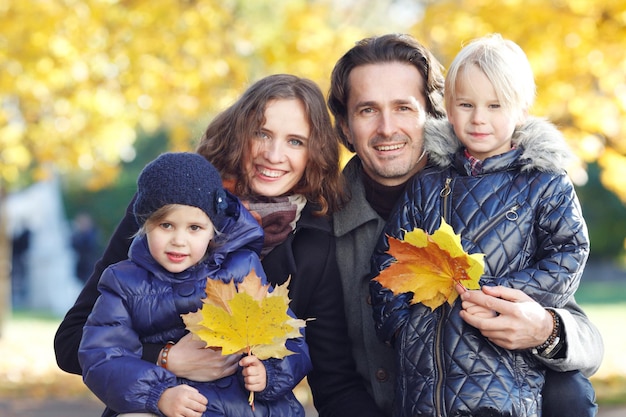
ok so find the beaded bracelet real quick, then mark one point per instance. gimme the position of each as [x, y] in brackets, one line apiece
[548, 346]
[164, 352]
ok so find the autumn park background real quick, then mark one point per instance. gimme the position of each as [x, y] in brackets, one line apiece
[90, 90]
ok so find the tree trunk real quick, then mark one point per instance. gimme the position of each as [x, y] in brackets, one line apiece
[5, 264]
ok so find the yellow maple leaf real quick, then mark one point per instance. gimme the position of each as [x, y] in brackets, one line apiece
[245, 318]
[430, 266]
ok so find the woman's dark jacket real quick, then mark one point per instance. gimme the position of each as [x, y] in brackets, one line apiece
[308, 256]
[523, 214]
[141, 302]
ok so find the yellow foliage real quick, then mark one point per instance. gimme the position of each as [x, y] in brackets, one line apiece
[613, 167]
[245, 318]
[430, 266]
[79, 77]
[576, 50]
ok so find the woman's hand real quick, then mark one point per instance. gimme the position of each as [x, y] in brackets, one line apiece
[521, 323]
[192, 360]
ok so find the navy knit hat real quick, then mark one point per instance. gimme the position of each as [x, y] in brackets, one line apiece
[180, 178]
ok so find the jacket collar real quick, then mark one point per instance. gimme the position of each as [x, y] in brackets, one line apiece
[502, 162]
[310, 221]
[541, 145]
[357, 211]
[139, 253]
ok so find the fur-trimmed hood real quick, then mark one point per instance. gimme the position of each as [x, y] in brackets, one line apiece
[542, 144]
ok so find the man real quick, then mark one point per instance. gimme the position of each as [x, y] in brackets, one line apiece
[381, 92]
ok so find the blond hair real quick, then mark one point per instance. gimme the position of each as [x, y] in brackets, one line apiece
[504, 64]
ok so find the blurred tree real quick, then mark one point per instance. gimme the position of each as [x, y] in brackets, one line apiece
[605, 215]
[107, 205]
[78, 79]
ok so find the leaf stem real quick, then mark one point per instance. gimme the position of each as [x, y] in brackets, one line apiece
[251, 396]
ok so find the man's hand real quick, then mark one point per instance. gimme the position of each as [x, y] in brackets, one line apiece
[192, 360]
[182, 401]
[521, 323]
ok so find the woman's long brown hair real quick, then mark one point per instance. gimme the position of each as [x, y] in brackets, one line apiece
[229, 137]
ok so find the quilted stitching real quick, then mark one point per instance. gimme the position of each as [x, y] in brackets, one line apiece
[541, 252]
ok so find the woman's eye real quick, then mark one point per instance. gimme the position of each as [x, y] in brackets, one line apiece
[262, 135]
[296, 142]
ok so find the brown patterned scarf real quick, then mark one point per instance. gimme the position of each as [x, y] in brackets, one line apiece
[277, 215]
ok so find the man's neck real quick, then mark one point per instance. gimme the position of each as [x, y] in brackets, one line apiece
[382, 198]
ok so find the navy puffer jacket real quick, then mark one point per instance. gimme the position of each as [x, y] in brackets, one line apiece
[523, 214]
[141, 302]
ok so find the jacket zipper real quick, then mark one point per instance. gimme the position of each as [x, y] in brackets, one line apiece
[510, 215]
[438, 349]
[444, 193]
[439, 363]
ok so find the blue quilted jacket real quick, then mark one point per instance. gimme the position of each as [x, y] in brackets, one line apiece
[141, 302]
[523, 214]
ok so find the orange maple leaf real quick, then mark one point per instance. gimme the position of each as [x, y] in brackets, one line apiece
[430, 265]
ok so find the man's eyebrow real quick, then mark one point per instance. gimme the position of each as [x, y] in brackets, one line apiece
[411, 101]
[372, 103]
[367, 103]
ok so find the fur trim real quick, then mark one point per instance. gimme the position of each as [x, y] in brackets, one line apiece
[440, 142]
[543, 146]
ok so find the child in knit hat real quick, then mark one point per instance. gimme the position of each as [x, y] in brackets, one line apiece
[191, 229]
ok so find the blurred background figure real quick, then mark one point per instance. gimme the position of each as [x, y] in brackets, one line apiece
[45, 267]
[20, 242]
[86, 244]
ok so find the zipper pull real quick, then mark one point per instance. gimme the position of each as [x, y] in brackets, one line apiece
[446, 188]
[511, 214]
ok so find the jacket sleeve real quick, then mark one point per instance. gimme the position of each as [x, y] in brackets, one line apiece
[583, 348]
[284, 374]
[237, 265]
[69, 333]
[391, 312]
[562, 248]
[110, 354]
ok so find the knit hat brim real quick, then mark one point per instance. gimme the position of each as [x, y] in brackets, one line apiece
[180, 178]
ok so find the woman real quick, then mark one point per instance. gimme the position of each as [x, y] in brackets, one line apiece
[275, 148]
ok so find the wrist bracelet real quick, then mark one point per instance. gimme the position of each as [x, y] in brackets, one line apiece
[552, 342]
[164, 353]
